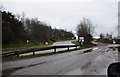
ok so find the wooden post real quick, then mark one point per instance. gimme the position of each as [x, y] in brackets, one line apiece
[33, 52]
[76, 46]
[68, 48]
[55, 49]
[17, 53]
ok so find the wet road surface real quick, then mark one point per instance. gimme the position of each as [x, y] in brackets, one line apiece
[70, 63]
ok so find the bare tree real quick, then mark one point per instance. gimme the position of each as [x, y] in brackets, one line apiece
[85, 29]
[18, 16]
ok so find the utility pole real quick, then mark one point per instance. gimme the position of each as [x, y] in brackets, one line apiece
[119, 28]
[119, 20]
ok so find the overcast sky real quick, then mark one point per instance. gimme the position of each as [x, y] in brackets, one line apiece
[66, 14]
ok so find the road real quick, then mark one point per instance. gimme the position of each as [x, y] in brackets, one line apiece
[62, 43]
[69, 63]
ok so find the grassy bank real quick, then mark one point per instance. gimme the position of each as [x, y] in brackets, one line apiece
[27, 45]
[76, 42]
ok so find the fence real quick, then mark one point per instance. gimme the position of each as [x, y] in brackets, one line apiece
[33, 50]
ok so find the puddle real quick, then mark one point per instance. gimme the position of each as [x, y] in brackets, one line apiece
[8, 72]
[90, 50]
[95, 48]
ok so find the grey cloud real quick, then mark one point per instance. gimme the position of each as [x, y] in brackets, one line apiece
[68, 14]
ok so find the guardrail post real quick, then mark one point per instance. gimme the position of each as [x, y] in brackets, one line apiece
[17, 53]
[55, 49]
[33, 52]
[68, 48]
[76, 46]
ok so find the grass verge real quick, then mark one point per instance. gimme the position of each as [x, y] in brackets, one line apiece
[76, 42]
[23, 46]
